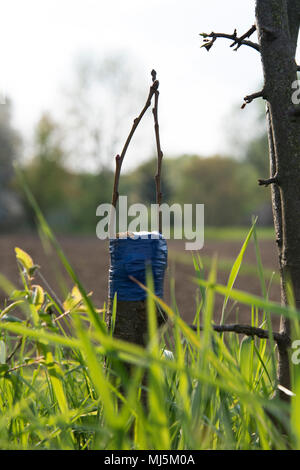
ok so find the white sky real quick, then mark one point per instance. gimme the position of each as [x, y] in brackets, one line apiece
[40, 41]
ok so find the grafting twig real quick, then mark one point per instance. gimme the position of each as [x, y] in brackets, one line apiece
[159, 154]
[120, 158]
[53, 294]
[15, 349]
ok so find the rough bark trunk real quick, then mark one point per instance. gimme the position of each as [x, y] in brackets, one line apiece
[131, 323]
[277, 24]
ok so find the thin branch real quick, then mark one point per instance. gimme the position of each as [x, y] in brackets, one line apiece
[244, 36]
[15, 349]
[281, 339]
[267, 182]
[115, 195]
[27, 364]
[120, 158]
[52, 292]
[67, 312]
[249, 98]
[249, 32]
[209, 39]
[159, 153]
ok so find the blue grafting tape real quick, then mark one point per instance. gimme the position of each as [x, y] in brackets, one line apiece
[129, 257]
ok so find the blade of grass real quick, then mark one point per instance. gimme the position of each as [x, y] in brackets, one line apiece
[235, 270]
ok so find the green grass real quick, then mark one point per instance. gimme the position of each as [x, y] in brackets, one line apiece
[57, 393]
[64, 384]
[236, 233]
[225, 264]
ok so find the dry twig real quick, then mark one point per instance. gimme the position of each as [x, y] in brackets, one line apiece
[120, 158]
[249, 98]
[159, 152]
[209, 39]
[267, 182]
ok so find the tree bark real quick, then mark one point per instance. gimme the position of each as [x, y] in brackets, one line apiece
[131, 322]
[277, 24]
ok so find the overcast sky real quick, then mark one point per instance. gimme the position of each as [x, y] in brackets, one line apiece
[40, 41]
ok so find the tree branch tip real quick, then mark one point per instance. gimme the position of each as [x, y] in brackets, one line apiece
[267, 182]
[249, 98]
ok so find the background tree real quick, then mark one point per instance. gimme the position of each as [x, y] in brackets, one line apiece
[139, 183]
[227, 189]
[97, 104]
[48, 179]
[228, 186]
[277, 26]
[10, 207]
[247, 140]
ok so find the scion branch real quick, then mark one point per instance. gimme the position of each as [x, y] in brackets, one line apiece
[159, 153]
[119, 158]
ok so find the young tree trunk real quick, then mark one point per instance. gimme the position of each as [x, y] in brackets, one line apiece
[277, 23]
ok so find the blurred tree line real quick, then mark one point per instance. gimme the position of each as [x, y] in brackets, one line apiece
[68, 194]
[67, 199]
[227, 186]
[11, 209]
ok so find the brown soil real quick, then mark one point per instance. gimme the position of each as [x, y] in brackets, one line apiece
[90, 260]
